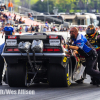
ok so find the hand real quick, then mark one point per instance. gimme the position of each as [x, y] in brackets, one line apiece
[75, 52]
[66, 46]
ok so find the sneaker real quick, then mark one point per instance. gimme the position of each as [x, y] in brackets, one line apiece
[98, 83]
[93, 81]
[1, 83]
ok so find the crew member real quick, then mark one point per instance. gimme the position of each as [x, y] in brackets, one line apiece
[1, 63]
[8, 30]
[82, 45]
[93, 37]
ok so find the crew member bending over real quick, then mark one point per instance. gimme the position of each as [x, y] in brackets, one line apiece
[82, 45]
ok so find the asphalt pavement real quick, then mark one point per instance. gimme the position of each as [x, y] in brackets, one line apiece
[76, 91]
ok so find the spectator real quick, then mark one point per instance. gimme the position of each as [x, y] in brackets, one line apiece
[5, 16]
[20, 21]
[2, 8]
[32, 28]
[37, 28]
[61, 29]
[8, 30]
[52, 29]
[5, 7]
[10, 6]
[55, 29]
[2, 19]
[64, 29]
[0, 13]
[17, 21]
[26, 28]
[44, 29]
[31, 17]
[9, 18]
[48, 29]
[46, 24]
[14, 17]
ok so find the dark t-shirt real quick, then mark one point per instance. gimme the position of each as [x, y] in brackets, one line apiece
[32, 28]
[37, 28]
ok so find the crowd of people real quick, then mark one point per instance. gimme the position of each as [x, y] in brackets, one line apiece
[2, 7]
[4, 19]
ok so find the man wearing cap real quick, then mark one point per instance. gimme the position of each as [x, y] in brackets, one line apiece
[9, 30]
[84, 48]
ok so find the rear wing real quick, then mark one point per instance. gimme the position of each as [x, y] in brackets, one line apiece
[52, 40]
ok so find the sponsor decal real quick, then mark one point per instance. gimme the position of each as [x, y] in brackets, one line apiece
[65, 59]
[54, 42]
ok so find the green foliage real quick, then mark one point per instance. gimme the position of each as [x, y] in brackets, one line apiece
[63, 5]
[42, 6]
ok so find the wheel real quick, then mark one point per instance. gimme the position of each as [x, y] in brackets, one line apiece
[16, 75]
[58, 76]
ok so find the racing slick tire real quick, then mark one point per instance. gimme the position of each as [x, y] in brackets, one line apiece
[16, 75]
[58, 76]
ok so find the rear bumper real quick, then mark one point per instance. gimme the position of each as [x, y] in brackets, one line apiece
[31, 54]
[50, 57]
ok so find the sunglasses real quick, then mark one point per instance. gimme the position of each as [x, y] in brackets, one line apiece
[71, 31]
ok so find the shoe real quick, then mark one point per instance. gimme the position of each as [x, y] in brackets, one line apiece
[98, 83]
[93, 81]
[1, 83]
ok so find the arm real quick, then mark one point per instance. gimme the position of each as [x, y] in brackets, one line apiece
[78, 44]
[72, 47]
[13, 33]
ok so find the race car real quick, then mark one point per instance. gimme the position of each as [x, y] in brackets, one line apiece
[40, 58]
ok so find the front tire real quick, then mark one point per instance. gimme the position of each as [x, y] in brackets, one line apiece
[58, 76]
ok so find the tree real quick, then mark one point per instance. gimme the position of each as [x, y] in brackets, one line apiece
[42, 6]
